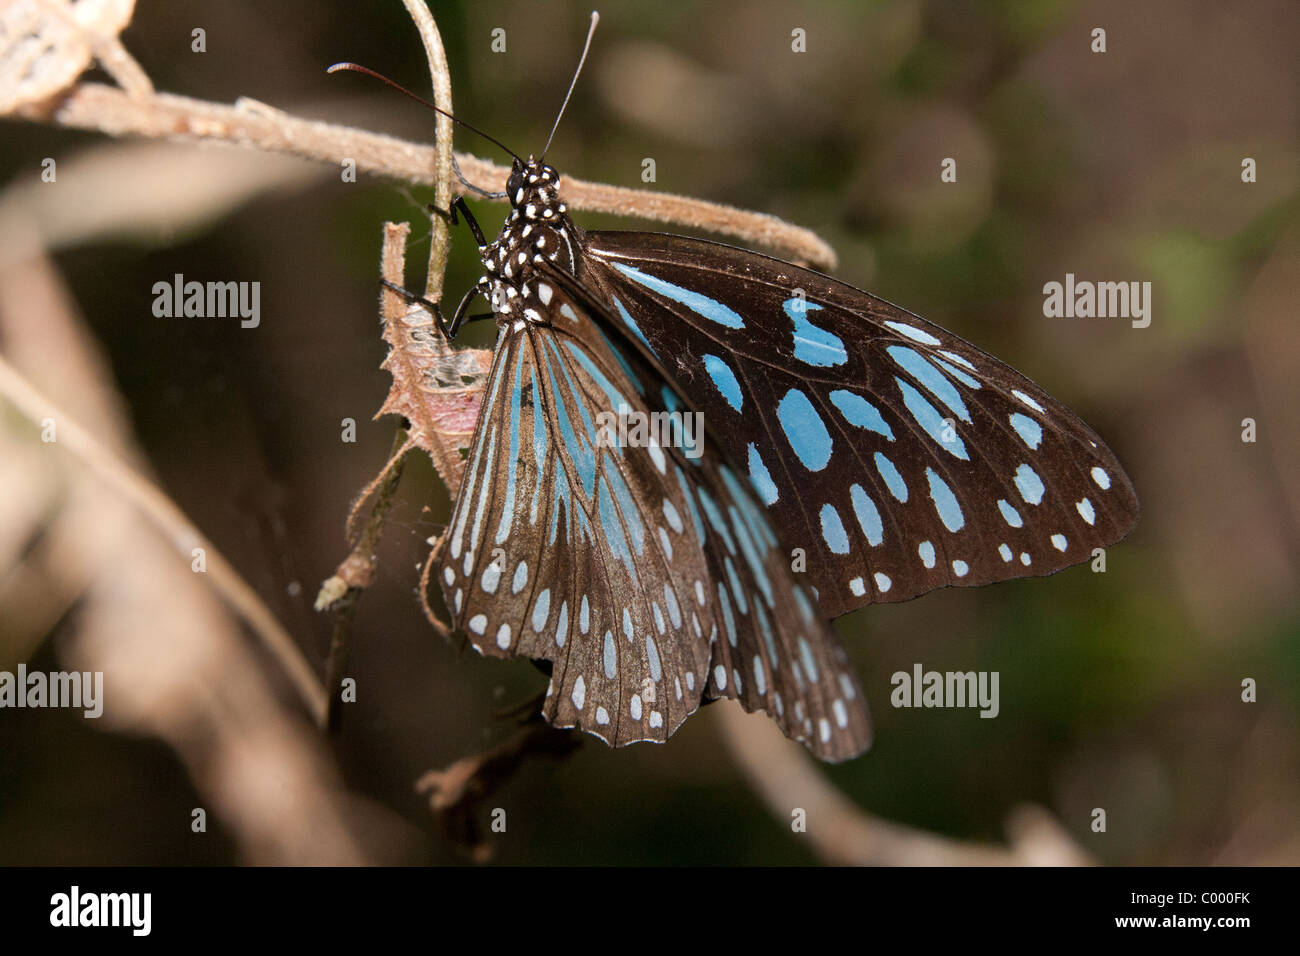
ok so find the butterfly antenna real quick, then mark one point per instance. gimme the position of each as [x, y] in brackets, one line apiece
[595, 18]
[357, 68]
[487, 194]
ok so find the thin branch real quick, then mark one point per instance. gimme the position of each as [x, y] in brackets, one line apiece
[122, 66]
[355, 574]
[440, 76]
[169, 518]
[783, 774]
[256, 125]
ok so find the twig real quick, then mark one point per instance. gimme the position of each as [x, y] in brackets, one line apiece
[440, 76]
[354, 575]
[169, 518]
[456, 794]
[843, 833]
[256, 125]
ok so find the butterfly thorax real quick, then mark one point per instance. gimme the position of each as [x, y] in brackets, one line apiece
[537, 235]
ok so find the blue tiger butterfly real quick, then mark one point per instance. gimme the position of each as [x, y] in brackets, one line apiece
[898, 457]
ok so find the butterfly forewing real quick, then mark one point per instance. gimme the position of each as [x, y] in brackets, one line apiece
[651, 580]
[898, 456]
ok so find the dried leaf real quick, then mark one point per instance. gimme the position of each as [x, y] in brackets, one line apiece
[437, 389]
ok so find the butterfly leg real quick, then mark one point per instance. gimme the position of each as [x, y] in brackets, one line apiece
[450, 216]
[448, 328]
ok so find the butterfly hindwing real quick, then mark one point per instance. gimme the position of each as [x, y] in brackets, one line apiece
[650, 579]
[900, 457]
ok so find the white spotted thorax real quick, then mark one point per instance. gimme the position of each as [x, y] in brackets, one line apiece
[537, 230]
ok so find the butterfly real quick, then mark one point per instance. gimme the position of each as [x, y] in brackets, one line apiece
[854, 453]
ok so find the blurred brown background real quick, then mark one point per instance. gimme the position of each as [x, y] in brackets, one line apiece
[1119, 690]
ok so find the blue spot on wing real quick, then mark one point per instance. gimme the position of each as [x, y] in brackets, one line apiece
[757, 522]
[613, 530]
[930, 378]
[541, 610]
[691, 505]
[1030, 485]
[728, 620]
[1010, 514]
[583, 456]
[631, 324]
[958, 359]
[958, 374]
[616, 398]
[626, 506]
[868, 515]
[761, 478]
[750, 553]
[860, 412]
[715, 518]
[928, 417]
[611, 657]
[765, 626]
[737, 589]
[804, 430]
[540, 441]
[833, 533]
[623, 363]
[579, 397]
[945, 502]
[893, 480]
[725, 379]
[813, 345]
[913, 333]
[1029, 430]
[512, 468]
[710, 309]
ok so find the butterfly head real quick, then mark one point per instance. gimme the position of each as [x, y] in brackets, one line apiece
[537, 234]
[534, 191]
